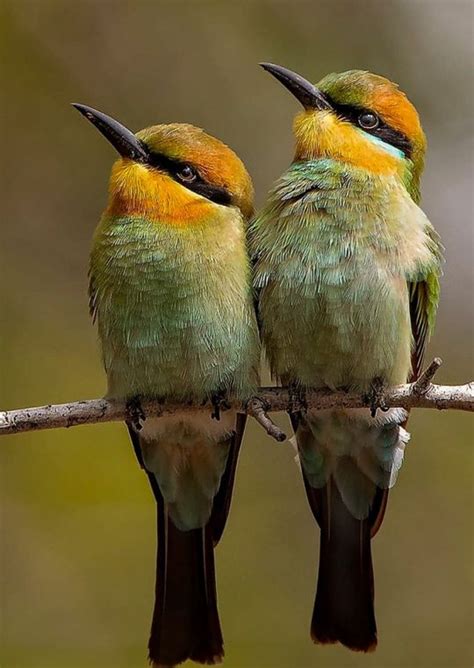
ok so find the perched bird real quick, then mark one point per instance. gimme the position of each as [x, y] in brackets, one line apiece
[347, 271]
[170, 287]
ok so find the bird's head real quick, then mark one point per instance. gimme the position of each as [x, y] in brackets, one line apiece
[358, 118]
[173, 173]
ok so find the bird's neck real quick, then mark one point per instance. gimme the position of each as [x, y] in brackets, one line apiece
[321, 137]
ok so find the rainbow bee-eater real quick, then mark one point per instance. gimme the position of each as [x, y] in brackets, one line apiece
[347, 271]
[170, 288]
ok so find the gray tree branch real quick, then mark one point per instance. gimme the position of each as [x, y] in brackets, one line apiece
[420, 394]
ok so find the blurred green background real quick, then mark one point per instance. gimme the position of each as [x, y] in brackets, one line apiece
[77, 545]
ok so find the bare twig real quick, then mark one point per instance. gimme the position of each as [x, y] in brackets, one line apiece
[420, 394]
[258, 410]
[423, 383]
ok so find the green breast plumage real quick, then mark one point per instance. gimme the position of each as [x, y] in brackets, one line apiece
[173, 305]
[334, 249]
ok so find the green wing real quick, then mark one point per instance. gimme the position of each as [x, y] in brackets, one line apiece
[92, 297]
[424, 298]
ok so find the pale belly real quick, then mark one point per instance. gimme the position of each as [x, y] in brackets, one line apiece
[177, 367]
[341, 336]
[179, 352]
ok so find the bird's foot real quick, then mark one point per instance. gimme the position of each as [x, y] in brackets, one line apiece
[296, 398]
[376, 396]
[135, 413]
[219, 403]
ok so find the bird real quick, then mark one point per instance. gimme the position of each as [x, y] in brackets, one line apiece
[170, 289]
[347, 275]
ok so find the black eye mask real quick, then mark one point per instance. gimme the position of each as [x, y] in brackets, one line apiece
[383, 131]
[199, 185]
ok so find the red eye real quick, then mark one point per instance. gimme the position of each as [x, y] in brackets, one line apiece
[187, 173]
[368, 120]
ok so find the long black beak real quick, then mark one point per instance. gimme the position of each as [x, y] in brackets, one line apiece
[118, 135]
[304, 91]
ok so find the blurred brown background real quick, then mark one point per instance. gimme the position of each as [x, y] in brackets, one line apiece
[77, 545]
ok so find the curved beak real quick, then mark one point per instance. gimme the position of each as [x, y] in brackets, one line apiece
[121, 138]
[304, 91]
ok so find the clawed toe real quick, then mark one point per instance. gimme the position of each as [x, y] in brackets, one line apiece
[296, 398]
[135, 412]
[219, 403]
[376, 396]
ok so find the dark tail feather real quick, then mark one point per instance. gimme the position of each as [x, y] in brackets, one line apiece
[344, 605]
[185, 618]
[222, 500]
